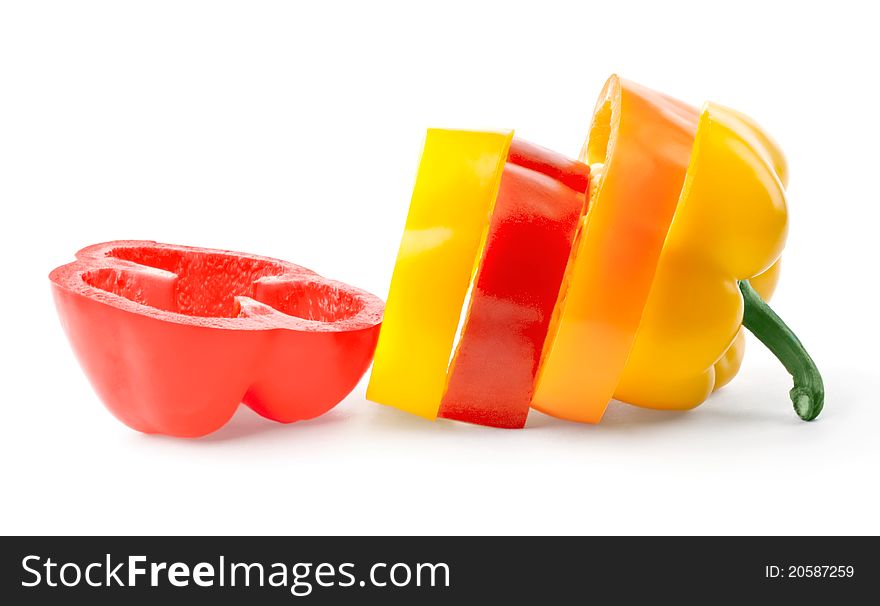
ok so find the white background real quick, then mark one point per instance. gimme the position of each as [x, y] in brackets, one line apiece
[293, 129]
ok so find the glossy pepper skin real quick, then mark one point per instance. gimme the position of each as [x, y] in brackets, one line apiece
[506, 210]
[537, 210]
[174, 338]
[730, 225]
[639, 146]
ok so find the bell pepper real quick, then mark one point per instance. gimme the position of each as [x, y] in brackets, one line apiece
[533, 199]
[174, 338]
[719, 264]
[639, 145]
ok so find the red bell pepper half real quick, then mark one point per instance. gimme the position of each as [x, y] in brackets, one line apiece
[174, 338]
[540, 201]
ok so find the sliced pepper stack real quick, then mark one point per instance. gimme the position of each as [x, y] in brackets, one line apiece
[685, 221]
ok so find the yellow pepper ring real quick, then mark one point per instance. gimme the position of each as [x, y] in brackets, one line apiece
[638, 148]
[455, 190]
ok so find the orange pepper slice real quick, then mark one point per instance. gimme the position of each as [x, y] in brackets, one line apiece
[639, 147]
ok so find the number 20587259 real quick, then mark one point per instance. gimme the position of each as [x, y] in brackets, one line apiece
[809, 571]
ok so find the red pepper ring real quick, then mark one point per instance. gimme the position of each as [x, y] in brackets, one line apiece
[540, 202]
[174, 338]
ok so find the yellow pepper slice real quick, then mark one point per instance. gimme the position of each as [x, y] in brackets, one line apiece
[455, 190]
[639, 145]
[730, 225]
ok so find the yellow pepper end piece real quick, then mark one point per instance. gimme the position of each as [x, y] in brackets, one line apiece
[455, 190]
[730, 225]
[639, 145]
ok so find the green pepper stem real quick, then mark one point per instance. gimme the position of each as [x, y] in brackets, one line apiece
[808, 393]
